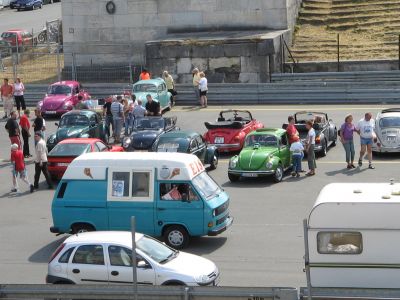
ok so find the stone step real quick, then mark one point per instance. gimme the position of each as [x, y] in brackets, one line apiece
[358, 5]
[371, 12]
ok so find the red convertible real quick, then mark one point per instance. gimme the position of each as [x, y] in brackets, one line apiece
[230, 129]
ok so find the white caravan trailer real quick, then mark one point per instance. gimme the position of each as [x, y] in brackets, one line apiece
[353, 236]
[4, 3]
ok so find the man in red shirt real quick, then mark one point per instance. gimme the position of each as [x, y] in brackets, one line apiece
[291, 130]
[18, 168]
[6, 93]
[25, 126]
[145, 75]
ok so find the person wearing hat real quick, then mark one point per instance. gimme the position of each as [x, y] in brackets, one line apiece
[296, 148]
[19, 169]
[41, 161]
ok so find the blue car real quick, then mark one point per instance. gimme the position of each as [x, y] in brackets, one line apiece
[28, 4]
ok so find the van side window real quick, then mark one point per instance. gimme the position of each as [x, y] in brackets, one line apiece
[140, 184]
[177, 191]
[89, 254]
[339, 242]
[120, 184]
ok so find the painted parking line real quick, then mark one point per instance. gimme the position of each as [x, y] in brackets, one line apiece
[286, 108]
[226, 161]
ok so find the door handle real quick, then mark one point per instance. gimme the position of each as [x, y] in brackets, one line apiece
[114, 273]
[76, 271]
[160, 208]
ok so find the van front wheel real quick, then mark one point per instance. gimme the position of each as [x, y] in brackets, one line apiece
[176, 237]
[82, 227]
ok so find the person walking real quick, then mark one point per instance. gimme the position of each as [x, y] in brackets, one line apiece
[6, 93]
[291, 130]
[169, 81]
[117, 111]
[310, 144]
[25, 127]
[203, 85]
[41, 161]
[19, 90]
[139, 111]
[144, 75]
[107, 115]
[38, 124]
[152, 107]
[346, 137]
[19, 169]
[196, 80]
[296, 148]
[12, 128]
[366, 130]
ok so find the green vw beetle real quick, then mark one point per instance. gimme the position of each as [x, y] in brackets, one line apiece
[265, 153]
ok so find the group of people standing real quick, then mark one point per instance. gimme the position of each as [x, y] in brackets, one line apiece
[10, 93]
[200, 85]
[365, 128]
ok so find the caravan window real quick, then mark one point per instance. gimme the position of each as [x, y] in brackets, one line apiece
[339, 242]
[120, 184]
[140, 184]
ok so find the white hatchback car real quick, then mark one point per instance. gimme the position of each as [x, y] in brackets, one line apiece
[105, 257]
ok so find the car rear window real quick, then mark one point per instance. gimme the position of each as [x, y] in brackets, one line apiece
[66, 255]
[69, 150]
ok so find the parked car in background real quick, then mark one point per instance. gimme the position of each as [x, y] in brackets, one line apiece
[325, 130]
[229, 131]
[146, 130]
[105, 256]
[5, 48]
[265, 153]
[67, 150]
[78, 124]
[187, 142]
[28, 4]
[157, 89]
[387, 129]
[12, 4]
[19, 37]
[62, 97]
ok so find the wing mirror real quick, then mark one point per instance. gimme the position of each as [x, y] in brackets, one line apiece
[143, 265]
[56, 124]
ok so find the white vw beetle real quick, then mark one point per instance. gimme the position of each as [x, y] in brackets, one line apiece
[105, 257]
[387, 129]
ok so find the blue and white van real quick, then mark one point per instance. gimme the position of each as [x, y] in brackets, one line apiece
[170, 194]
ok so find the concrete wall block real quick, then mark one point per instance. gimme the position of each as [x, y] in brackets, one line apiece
[158, 66]
[203, 5]
[85, 9]
[186, 18]
[249, 77]
[152, 51]
[254, 64]
[115, 35]
[200, 63]
[215, 51]
[157, 20]
[66, 8]
[127, 21]
[266, 47]
[184, 78]
[96, 22]
[142, 35]
[184, 65]
[175, 51]
[242, 49]
[172, 6]
[121, 7]
[224, 62]
[142, 7]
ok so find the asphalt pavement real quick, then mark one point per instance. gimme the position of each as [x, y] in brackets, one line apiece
[29, 20]
[264, 246]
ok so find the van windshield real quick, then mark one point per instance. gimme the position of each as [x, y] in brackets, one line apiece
[206, 186]
[156, 250]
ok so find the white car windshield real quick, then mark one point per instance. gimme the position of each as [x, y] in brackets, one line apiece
[74, 120]
[389, 122]
[59, 90]
[149, 123]
[206, 186]
[262, 140]
[145, 88]
[156, 250]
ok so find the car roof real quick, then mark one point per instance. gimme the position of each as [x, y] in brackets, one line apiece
[117, 237]
[180, 134]
[273, 131]
[155, 81]
[14, 30]
[85, 112]
[66, 82]
[80, 141]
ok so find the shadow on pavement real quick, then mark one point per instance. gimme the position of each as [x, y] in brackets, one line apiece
[205, 245]
[348, 172]
[43, 254]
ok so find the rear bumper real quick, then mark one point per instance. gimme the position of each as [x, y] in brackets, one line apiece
[252, 173]
[57, 172]
[55, 279]
[48, 112]
[227, 147]
[228, 224]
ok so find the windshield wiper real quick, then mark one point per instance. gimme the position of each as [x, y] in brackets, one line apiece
[170, 257]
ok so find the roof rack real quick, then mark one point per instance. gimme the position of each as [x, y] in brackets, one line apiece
[389, 110]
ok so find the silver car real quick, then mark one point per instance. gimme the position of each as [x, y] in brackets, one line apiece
[387, 128]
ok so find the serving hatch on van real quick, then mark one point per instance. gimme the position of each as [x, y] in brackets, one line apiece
[352, 234]
[170, 194]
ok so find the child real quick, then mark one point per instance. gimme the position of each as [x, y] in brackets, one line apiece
[296, 148]
[18, 168]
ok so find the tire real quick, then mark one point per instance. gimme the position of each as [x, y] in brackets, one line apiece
[324, 150]
[176, 237]
[214, 162]
[278, 176]
[233, 177]
[82, 227]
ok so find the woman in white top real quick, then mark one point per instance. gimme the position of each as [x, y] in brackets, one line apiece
[19, 89]
[203, 89]
[310, 148]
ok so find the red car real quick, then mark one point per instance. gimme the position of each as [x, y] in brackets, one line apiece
[62, 97]
[65, 151]
[230, 129]
[23, 37]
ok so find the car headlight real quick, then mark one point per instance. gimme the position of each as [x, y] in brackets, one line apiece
[202, 279]
[233, 163]
[40, 104]
[67, 105]
[269, 164]
[127, 142]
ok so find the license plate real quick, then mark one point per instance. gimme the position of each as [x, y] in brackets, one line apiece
[219, 140]
[249, 174]
[63, 164]
[391, 138]
[51, 112]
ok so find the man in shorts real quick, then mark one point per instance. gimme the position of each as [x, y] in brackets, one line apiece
[6, 93]
[19, 169]
[366, 130]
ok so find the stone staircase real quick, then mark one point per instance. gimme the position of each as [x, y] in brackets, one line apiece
[368, 29]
